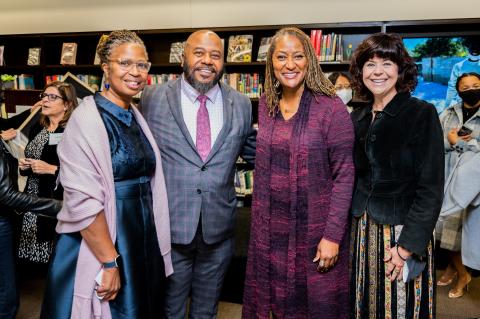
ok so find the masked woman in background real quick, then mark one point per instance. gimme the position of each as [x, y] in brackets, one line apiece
[461, 129]
[343, 87]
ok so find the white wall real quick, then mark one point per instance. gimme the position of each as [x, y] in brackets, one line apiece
[44, 16]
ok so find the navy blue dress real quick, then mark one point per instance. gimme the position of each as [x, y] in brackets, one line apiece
[141, 268]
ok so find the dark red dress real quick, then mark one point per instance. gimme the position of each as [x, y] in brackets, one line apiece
[303, 185]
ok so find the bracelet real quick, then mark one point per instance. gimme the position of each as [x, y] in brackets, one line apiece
[398, 253]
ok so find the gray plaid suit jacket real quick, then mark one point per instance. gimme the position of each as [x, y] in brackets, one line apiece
[195, 187]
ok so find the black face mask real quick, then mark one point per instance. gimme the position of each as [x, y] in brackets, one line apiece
[471, 97]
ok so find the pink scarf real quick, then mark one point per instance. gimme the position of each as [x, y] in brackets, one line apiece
[87, 178]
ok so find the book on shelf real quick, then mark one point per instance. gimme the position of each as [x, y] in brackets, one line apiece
[69, 53]
[25, 82]
[103, 38]
[2, 60]
[34, 56]
[81, 88]
[243, 182]
[153, 79]
[263, 49]
[93, 81]
[316, 40]
[350, 42]
[334, 47]
[240, 48]
[176, 52]
[248, 84]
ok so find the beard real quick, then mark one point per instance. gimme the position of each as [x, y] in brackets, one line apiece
[201, 87]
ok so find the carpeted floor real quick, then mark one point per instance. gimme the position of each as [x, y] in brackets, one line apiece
[32, 286]
[467, 307]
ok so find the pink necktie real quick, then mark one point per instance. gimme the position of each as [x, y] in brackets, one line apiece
[203, 128]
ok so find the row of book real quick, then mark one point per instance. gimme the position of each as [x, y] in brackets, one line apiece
[161, 78]
[93, 81]
[68, 55]
[248, 84]
[239, 49]
[331, 47]
[244, 182]
[328, 47]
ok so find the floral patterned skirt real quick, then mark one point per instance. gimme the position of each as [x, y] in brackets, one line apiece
[373, 296]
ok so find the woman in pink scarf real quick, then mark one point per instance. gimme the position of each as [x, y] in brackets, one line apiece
[113, 252]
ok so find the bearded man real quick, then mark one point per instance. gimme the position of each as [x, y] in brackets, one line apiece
[201, 126]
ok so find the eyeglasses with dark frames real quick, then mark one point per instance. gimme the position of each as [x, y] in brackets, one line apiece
[51, 97]
[127, 65]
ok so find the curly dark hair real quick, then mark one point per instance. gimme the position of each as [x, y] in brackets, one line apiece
[386, 46]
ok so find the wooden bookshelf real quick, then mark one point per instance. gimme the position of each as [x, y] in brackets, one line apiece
[158, 45]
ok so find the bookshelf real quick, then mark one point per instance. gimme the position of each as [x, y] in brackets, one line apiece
[158, 45]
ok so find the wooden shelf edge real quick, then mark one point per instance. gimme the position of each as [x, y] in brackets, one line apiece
[79, 66]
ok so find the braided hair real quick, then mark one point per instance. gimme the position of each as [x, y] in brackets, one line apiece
[116, 39]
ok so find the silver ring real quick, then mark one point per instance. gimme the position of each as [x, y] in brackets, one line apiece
[321, 263]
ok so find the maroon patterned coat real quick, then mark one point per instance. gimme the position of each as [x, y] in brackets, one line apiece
[321, 183]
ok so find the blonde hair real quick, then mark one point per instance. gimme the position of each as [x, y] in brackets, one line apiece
[314, 80]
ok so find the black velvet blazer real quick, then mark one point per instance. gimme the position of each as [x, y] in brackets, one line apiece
[399, 160]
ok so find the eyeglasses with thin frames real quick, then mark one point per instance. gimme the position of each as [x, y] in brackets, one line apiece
[127, 65]
[51, 97]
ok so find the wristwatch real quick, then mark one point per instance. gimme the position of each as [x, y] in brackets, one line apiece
[111, 264]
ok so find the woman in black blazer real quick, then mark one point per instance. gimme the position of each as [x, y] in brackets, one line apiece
[41, 165]
[399, 168]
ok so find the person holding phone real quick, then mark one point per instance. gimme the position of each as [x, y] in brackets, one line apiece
[461, 126]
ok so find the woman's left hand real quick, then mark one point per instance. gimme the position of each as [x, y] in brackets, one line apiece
[41, 167]
[327, 255]
[394, 263]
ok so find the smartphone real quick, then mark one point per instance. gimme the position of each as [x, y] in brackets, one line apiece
[463, 131]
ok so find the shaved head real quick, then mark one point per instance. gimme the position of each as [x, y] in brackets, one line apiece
[203, 60]
[204, 36]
